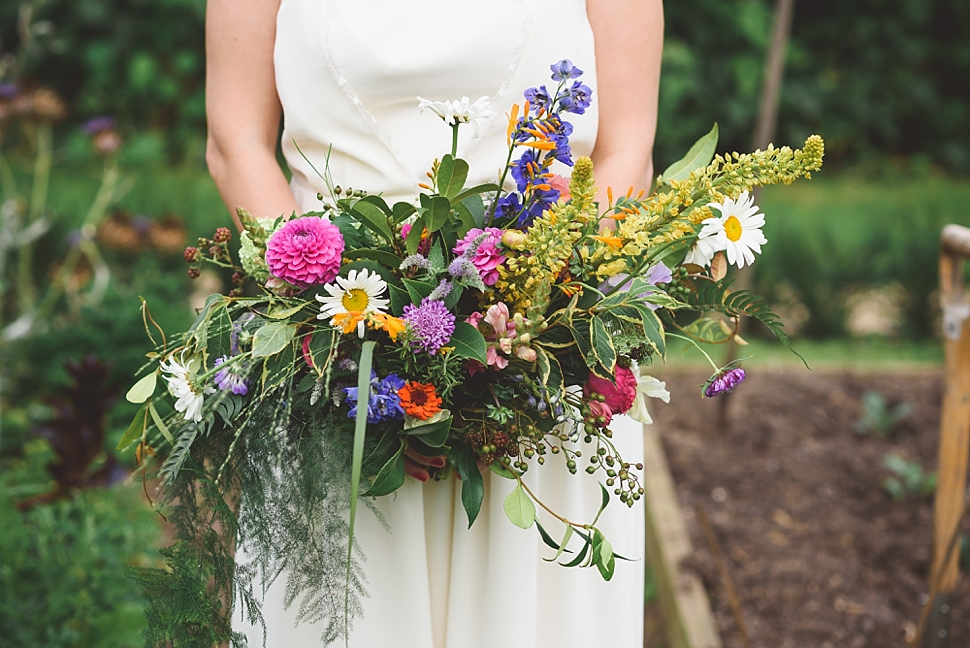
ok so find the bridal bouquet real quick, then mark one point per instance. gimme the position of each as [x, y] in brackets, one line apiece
[500, 326]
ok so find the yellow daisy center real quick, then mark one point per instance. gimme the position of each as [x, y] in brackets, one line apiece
[732, 227]
[355, 300]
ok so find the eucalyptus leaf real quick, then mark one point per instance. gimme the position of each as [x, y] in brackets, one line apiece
[160, 424]
[373, 218]
[272, 338]
[136, 430]
[519, 508]
[698, 157]
[142, 390]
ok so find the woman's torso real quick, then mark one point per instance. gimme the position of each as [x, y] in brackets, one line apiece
[348, 73]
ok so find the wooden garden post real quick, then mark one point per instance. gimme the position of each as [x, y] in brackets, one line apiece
[954, 426]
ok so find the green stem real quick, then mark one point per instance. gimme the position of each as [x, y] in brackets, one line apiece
[696, 346]
[26, 290]
[454, 139]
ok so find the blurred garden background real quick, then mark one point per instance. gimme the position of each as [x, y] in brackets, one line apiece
[103, 183]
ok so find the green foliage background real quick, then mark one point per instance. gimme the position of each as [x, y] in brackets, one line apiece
[874, 77]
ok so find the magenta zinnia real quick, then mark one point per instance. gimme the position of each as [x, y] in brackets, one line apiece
[305, 252]
[432, 324]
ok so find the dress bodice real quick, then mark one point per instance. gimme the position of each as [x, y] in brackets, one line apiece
[348, 73]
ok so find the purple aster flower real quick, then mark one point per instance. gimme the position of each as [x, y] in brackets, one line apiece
[383, 403]
[538, 98]
[232, 377]
[98, 124]
[565, 69]
[577, 99]
[723, 381]
[432, 323]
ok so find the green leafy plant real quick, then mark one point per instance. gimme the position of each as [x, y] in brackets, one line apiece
[908, 480]
[877, 417]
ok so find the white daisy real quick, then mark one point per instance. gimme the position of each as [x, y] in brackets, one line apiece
[352, 299]
[460, 111]
[737, 231]
[647, 386]
[184, 386]
[701, 253]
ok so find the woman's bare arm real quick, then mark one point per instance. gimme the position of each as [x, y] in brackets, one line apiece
[629, 45]
[242, 107]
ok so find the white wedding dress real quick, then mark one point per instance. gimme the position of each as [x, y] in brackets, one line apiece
[347, 73]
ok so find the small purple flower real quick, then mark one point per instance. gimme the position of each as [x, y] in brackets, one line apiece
[578, 99]
[443, 289]
[521, 172]
[98, 124]
[232, 377]
[659, 274]
[9, 90]
[432, 323]
[565, 69]
[723, 381]
[538, 98]
[383, 403]
[508, 206]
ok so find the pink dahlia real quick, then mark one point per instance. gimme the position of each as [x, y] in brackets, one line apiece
[486, 257]
[305, 252]
[619, 396]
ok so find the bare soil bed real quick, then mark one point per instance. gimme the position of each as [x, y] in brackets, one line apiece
[821, 555]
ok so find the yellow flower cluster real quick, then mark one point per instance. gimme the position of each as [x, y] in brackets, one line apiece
[677, 213]
[548, 244]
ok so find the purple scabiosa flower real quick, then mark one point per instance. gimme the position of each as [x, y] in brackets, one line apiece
[723, 381]
[538, 98]
[577, 99]
[565, 69]
[383, 403]
[232, 377]
[432, 324]
[98, 124]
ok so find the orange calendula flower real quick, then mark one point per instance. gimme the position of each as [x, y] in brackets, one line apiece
[419, 400]
[393, 325]
[347, 321]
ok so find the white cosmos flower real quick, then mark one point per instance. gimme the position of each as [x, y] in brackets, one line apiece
[183, 385]
[460, 111]
[647, 386]
[357, 295]
[737, 231]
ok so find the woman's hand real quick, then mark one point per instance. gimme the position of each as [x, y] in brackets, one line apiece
[417, 465]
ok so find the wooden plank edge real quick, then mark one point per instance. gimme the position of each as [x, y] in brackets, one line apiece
[686, 608]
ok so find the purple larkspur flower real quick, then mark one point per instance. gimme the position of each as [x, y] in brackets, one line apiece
[577, 99]
[508, 206]
[232, 377]
[723, 381]
[383, 403]
[98, 124]
[565, 69]
[433, 324]
[520, 170]
[538, 98]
